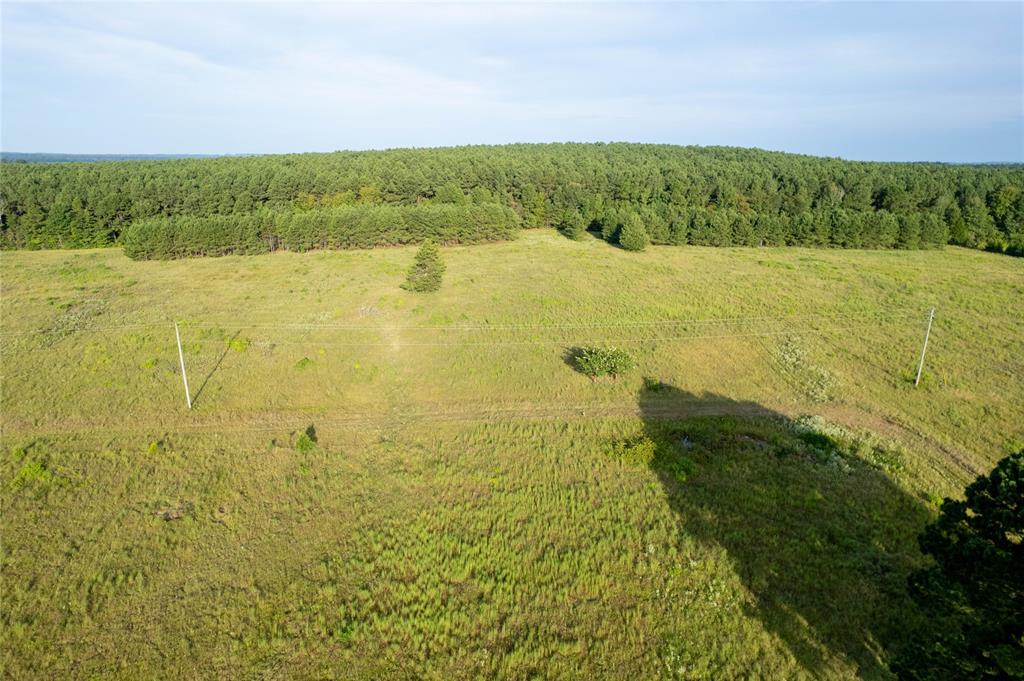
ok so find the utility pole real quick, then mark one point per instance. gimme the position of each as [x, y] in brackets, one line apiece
[181, 358]
[924, 348]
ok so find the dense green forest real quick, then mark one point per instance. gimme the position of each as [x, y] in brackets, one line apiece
[716, 196]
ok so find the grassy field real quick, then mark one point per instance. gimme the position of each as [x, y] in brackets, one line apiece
[467, 505]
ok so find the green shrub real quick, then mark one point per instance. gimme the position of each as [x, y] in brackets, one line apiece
[597, 362]
[425, 274]
[678, 466]
[306, 442]
[637, 451]
[642, 450]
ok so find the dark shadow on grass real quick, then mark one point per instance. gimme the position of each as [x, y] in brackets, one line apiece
[220, 360]
[822, 540]
[571, 358]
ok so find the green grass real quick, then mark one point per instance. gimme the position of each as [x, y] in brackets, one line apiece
[376, 483]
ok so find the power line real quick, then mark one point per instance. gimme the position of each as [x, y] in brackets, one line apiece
[561, 341]
[503, 327]
[866, 316]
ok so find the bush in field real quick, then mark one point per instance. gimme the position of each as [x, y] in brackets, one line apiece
[597, 362]
[974, 592]
[645, 451]
[637, 451]
[304, 443]
[425, 274]
[633, 236]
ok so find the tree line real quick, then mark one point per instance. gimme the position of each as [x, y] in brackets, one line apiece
[359, 226]
[694, 195]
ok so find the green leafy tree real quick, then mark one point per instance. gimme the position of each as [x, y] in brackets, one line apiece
[425, 274]
[974, 593]
[633, 235]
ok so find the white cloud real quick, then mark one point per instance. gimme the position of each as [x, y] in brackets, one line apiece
[255, 77]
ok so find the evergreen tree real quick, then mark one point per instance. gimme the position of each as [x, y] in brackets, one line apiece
[633, 236]
[909, 232]
[481, 195]
[610, 224]
[933, 231]
[425, 274]
[742, 231]
[572, 224]
[450, 192]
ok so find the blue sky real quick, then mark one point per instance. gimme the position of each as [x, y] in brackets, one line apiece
[896, 81]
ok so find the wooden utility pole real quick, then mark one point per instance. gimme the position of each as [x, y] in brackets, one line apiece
[924, 348]
[181, 358]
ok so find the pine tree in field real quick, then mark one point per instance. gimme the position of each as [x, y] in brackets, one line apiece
[633, 236]
[425, 274]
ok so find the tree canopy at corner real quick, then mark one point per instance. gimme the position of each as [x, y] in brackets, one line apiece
[973, 596]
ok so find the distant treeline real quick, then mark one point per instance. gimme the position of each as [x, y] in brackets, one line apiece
[695, 195]
[44, 157]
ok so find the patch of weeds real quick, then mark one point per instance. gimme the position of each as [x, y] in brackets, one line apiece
[776, 264]
[239, 344]
[815, 439]
[439, 319]
[645, 451]
[156, 447]
[678, 466]
[827, 441]
[35, 472]
[176, 512]
[73, 317]
[928, 379]
[306, 441]
[653, 385]
[882, 457]
[83, 274]
[639, 450]
[304, 363]
[817, 383]
[367, 311]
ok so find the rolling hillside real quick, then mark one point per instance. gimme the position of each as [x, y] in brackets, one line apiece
[375, 482]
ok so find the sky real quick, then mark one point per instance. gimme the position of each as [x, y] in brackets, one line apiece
[899, 81]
